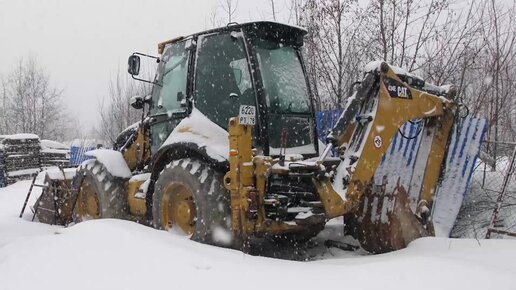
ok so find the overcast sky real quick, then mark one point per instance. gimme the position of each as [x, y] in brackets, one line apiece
[83, 43]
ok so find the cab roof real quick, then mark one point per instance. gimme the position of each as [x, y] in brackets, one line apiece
[267, 29]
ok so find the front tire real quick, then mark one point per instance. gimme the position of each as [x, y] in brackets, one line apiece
[189, 196]
[99, 194]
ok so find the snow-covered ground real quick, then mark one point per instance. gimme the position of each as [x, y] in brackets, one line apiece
[115, 254]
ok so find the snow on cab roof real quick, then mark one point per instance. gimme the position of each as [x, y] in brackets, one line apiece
[253, 25]
[276, 23]
[256, 25]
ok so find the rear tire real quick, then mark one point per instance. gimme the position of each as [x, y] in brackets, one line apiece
[189, 196]
[98, 193]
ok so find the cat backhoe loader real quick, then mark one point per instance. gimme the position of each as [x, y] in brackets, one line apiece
[228, 150]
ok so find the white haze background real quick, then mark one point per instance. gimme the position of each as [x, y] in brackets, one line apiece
[83, 44]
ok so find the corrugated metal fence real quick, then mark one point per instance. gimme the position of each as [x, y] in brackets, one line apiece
[77, 155]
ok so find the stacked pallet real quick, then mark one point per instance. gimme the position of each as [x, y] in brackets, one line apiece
[3, 179]
[54, 154]
[21, 157]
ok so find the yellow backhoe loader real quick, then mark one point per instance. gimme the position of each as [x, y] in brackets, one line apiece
[228, 149]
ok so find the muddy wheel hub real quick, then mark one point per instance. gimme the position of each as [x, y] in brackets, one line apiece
[178, 208]
[87, 203]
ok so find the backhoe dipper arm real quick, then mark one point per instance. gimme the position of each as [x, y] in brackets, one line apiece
[371, 119]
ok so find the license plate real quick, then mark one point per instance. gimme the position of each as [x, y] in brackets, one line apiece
[247, 115]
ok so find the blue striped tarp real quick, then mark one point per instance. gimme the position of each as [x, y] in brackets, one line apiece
[325, 120]
[77, 155]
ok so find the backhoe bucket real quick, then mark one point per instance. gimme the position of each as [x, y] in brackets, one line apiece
[385, 222]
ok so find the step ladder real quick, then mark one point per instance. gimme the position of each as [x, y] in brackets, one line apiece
[32, 185]
[48, 193]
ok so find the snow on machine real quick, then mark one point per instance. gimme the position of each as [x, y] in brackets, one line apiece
[228, 150]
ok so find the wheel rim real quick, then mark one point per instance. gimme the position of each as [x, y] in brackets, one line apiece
[87, 202]
[178, 208]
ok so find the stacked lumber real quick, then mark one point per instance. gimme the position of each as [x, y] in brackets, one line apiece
[21, 157]
[54, 154]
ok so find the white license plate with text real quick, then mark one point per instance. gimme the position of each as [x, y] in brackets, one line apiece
[247, 115]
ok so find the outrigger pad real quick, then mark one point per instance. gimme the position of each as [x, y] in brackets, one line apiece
[384, 221]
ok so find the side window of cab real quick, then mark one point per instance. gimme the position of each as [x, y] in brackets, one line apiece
[170, 92]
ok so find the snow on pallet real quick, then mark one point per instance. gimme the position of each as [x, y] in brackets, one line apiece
[54, 154]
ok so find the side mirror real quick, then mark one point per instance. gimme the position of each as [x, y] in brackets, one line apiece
[137, 102]
[133, 65]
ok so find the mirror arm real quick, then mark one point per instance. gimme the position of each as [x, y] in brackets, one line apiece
[146, 81]
[151, 56]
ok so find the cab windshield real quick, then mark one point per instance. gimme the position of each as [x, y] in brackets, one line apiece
[171, 77]
[283, 78]
[169, 95]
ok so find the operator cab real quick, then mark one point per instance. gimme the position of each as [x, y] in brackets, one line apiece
[217, 71]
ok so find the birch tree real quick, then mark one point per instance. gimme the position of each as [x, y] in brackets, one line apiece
[115, 111]
[31, 104]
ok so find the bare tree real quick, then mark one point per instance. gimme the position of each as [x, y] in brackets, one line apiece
[4, 121]
[273, 9]
[294, 7]
[30, 104]
[115, 112]
[402, 29]
[230, 7]
[214, 18]
[332, 54]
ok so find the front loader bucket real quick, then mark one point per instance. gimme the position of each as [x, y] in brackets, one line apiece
[385, 222]
[54, 205]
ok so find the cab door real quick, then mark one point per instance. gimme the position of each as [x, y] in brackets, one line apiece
[222, 76]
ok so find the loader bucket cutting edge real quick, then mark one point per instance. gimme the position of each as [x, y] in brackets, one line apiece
[384, 221]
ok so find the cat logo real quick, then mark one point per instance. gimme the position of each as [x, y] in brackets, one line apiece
[397, 89]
